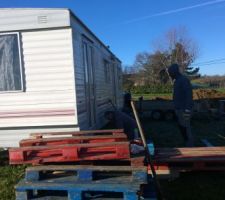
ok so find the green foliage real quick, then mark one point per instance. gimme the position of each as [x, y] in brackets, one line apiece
[127, 82]
[9, 176]
[152, 96]
[184, 58]
[152, 89]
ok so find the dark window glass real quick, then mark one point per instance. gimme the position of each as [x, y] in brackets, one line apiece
[10, 69]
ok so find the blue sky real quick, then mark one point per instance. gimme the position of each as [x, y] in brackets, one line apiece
[131, 26]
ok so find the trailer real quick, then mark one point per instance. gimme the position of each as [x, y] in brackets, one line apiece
[156, 109]
[163, 109]
[56, 75]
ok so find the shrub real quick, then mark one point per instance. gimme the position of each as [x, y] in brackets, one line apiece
[152, 89]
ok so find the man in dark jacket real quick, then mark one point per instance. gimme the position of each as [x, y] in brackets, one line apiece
[183, 102]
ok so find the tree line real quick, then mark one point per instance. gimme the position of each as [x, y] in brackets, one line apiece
[150, 68]
[212, 81]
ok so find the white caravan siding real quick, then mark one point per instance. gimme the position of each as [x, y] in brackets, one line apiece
[49, 96]
[27, 19]
[54, 97]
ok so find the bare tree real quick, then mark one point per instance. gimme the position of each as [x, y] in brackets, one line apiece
[182, 49]
[175, 47]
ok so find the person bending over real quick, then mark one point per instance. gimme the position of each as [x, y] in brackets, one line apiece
[121, 120]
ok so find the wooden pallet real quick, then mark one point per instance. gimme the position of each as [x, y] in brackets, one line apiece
[74, 191]
[73, 140]
[69, 153]
[84, 173]
[78, 133]
[103, 182]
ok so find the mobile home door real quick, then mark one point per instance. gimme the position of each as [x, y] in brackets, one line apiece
[88, 57]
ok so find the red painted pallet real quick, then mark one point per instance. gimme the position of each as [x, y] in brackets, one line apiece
[78, 133]
[69, 153]
[73, 140]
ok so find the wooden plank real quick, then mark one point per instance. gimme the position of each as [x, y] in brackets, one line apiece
[73, 140]
[130, 188]
[110, 144]
[190, 154]
[113, 187]
[77, 133]
[133, 161]
[86, 167]
[87, 173]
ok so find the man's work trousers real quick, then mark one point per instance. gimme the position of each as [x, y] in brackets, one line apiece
[184, 124]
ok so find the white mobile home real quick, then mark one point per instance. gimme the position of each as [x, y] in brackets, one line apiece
[55, 74]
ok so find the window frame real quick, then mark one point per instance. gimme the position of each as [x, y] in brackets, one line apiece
[107, 68]
[20, 62]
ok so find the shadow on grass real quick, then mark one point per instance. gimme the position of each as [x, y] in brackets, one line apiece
[166, 133]
[4, 158]
[195, 186]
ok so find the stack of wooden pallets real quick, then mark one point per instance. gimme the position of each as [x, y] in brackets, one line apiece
[79, 165]
[71, 147]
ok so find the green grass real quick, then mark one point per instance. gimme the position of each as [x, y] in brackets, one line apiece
[222, 90]
[164, 95]
[9, 176]
[166, 133]
[195, 185]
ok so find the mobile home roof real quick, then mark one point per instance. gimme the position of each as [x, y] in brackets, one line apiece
[17, 19]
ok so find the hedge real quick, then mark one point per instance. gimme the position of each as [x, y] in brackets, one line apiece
[152, 89]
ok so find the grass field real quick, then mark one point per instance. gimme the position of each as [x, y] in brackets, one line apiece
[221, 90]
[164, 95]
[189, 186]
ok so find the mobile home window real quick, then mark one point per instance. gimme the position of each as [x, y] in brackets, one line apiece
[107, 71]
[10, 63]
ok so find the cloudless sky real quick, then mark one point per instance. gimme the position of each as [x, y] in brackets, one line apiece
[131, 26]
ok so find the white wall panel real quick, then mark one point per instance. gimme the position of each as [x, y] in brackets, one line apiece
[53, 71]
[10, 138]
[25, 19]
[49, 96]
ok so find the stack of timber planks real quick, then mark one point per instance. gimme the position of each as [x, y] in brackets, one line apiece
[172, 161]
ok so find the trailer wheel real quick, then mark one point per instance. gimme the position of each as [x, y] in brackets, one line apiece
[156, 114]
[169, 115]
